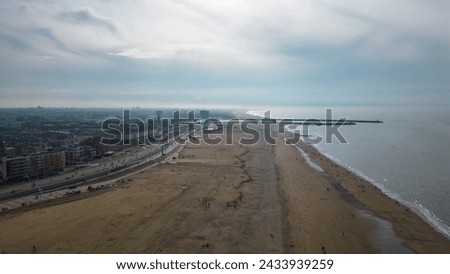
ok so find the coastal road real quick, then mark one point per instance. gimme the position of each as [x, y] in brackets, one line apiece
[129, 160]
[106, 164]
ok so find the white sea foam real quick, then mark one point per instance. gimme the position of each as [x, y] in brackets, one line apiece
[307, 159]
[413, 204]
[401, 160]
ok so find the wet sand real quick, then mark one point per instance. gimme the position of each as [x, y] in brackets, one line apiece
[226, 199]
[417, 234]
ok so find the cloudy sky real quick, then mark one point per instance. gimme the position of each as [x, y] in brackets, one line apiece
[224, 53]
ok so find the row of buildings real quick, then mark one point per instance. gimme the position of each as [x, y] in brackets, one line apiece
[46, 163]
[32, 166]
[40, 142]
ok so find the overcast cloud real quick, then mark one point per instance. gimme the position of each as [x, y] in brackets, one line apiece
[229, 53]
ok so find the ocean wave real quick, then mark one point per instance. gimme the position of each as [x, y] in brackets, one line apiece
[308, 160]
[410, 202]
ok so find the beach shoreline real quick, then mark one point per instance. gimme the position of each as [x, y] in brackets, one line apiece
[228, 199]
[419, 235]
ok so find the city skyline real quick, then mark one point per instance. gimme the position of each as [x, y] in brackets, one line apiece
[227, 54]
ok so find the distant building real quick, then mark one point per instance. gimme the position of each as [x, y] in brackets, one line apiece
[15, 169]
[73, 154]
[32, 166]
[159, 115]
[93, 147]
[54, 163]
[89, 152]
[36, 165]
[10, 152]
[2, 147]
[204, 114]
[78, 154]
[46, 164]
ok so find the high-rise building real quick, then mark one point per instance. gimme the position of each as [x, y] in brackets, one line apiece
[159, 114]
[2, 147]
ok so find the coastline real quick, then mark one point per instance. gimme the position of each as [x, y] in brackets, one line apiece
[227, 199]
[418, 208]
[419, 235]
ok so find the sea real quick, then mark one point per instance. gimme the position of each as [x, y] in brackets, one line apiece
[407, 156]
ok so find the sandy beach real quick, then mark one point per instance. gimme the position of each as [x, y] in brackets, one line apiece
[227, 199]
